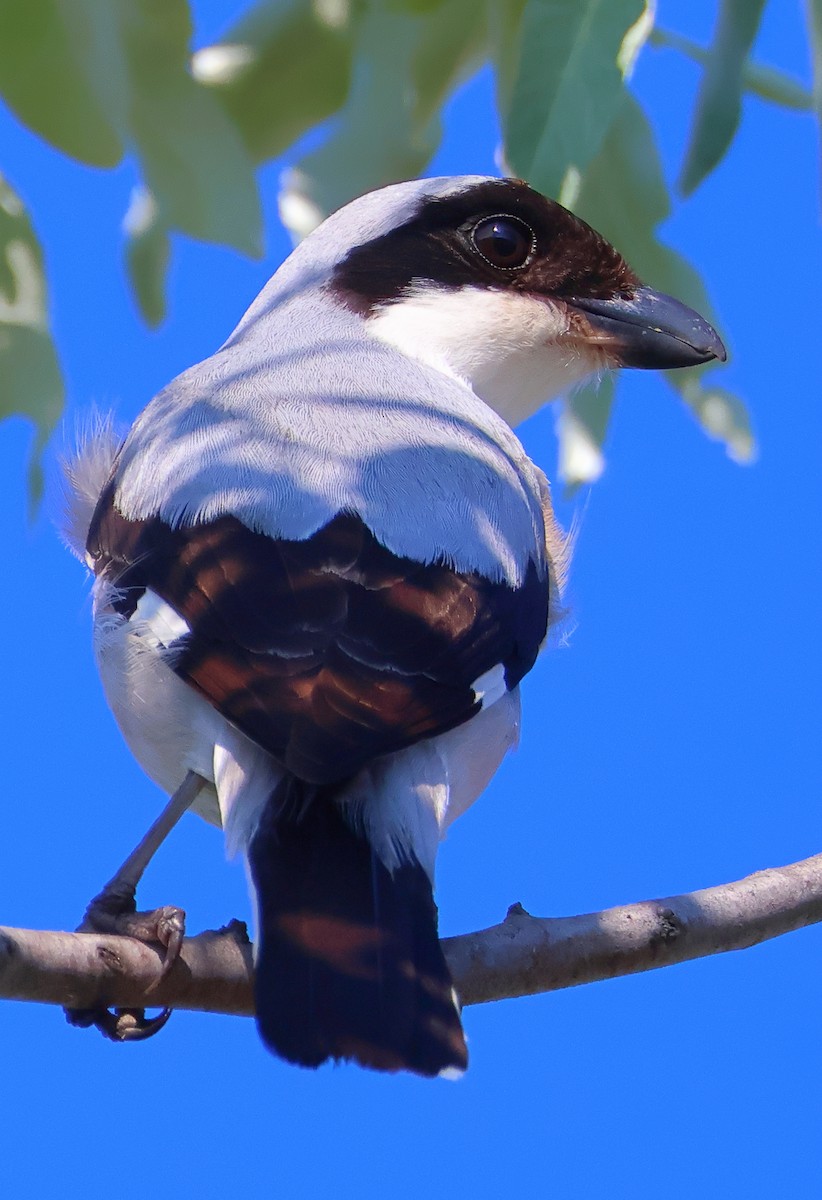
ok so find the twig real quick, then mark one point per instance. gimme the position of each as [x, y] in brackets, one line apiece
[521, 956]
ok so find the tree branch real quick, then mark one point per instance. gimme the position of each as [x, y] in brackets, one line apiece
[521, 956]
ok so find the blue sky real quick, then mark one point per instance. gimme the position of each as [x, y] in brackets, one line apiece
[673, 744]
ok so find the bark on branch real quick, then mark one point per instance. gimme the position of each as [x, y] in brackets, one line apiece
[521, 956]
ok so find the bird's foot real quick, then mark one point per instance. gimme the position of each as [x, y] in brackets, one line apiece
[118, 1024]
[114, 911]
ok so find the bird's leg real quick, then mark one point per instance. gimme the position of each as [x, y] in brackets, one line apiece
[114, 910]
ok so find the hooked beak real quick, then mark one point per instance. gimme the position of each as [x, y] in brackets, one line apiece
[650, 329]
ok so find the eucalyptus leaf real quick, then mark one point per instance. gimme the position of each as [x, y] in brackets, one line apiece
[95, 76]
[505, 43]
[193, 157]
[389, 128]
[721, 414]
[719, 102]
[281, 70]
[768, 83]
[48, 72]
[568, 86]
[624, 195]
[30, 380]
[148, 250]
[413, 6]
[814, 11]
[582, 425]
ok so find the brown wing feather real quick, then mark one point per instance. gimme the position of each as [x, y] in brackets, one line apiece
[328, 652]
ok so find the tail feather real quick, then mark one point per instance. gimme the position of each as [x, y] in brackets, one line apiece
[349, 965]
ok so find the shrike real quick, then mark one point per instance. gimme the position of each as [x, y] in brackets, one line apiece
[323, 563]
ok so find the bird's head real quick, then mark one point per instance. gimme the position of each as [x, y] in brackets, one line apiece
[488, 280]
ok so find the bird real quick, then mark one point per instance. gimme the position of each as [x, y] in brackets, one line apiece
[323, 563]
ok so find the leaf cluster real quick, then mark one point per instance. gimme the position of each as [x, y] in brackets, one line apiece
[102, 79]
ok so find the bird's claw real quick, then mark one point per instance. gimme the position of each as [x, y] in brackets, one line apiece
[119, 1024]
[166, 925]
[114, 911]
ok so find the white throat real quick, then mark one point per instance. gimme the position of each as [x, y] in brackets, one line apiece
[509, 348]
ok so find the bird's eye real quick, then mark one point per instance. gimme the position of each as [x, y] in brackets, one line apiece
[504, 241]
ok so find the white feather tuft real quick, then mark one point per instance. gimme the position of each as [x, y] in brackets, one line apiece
[85, 472]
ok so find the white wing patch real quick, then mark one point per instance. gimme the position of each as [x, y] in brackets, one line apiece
[490, 686]
[162, 625]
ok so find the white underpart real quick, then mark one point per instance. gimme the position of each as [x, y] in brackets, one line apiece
[509, 348]
[170, 729]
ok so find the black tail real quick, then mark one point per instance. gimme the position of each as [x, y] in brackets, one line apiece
[349, 965]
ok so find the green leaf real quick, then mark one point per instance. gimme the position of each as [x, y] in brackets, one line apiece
[582, 425]
[47, 77]
[721, 414]
[124, 68]
[148, 251]
[413, 6]
[626, 207]
[623, 195]
[760, 80]
[193, 157]
[280, 71]
[814, 11]
[568, 86]
[30, 379]
[406, 64]
[452, 44]
[719, 102]
[505, 43]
